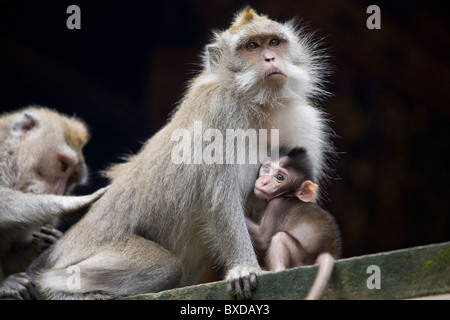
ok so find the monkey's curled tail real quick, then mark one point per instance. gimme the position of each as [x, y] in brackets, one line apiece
[326, 263]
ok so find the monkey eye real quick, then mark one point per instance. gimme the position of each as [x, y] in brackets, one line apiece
[274, 42]
[251, 45]
[279, 177]
[266, 170]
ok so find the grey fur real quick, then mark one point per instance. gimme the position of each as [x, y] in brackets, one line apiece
[159, 223]
[27, 138]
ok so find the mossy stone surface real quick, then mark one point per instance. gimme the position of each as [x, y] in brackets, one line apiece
[407, 273]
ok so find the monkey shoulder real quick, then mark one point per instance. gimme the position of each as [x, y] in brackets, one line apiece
[320, 214]
[308, 213]
[312, 208]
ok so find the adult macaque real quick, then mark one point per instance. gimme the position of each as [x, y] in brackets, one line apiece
[293, 230]
[40, 160]
[160, 222]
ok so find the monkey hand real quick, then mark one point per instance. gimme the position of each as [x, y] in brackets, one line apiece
[97, 194]
[71, 204]
[17, 286]
[45, 237]
[83, 201]
[241, 281]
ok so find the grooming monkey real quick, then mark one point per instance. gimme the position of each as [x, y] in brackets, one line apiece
[160, 222]
[293, 230]
[40, 160]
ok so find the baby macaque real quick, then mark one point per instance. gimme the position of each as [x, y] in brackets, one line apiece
[293, 230]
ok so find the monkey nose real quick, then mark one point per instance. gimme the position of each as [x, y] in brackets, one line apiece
[268, 56]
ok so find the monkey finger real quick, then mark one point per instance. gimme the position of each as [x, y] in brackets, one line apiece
[23, 292]
[252, 279]
[231, 287]
[247, 291]
[238, 292]
[50, 230]
[21, 278]
[39, 237]
[47, 228]
[11, 294]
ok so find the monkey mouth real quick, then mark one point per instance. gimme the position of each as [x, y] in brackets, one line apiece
[256, 188]
[273, 73]
[259, 192]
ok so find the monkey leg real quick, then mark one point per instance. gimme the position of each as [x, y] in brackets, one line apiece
[284, 252]
[326, 263]
[133, 266]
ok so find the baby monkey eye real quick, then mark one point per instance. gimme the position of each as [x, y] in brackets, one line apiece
[251, 45]
[274, 42]
[279, 177]
[266, 170]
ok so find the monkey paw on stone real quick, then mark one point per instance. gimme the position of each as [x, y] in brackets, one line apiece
[241, 281]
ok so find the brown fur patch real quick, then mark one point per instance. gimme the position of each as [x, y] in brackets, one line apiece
[244, 17]
[75, 132]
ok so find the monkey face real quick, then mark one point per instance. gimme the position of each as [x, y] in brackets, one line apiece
[49, 151]
[271, 181]
[278, 178]
[61, 171]
[266, 53]
[264, 60]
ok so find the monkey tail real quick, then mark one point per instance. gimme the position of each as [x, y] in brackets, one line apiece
[326, 263]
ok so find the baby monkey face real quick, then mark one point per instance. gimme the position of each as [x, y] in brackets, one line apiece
[271, 178]
[275, 180]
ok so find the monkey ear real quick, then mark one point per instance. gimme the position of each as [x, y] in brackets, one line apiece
[23, 125]
[308, 191]
[212, 56]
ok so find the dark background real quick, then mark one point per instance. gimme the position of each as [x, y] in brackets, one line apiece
[127, 67]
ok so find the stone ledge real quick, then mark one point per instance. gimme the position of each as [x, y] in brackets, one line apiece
[408, 273]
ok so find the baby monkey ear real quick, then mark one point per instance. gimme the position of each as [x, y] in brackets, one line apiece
[308, 191]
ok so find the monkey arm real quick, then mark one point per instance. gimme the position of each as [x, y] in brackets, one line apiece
[259, 237]
[252, 227]
[235, 250]
[20, 207]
